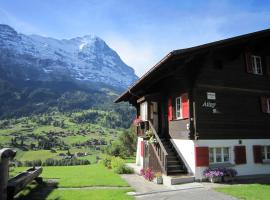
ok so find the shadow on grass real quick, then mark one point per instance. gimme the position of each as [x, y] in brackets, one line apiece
[35, 191]
[252, 180]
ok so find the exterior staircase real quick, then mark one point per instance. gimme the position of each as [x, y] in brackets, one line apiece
[175, 165]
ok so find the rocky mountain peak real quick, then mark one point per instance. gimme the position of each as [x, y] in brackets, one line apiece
[86, 58]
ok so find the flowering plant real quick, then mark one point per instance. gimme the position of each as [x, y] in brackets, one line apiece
[137, 121]
[158, 174]
[214, 172]
[147, 174]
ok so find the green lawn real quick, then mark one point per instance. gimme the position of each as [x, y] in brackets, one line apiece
[81, 176]
[38, 155]
[76, 177]
[248, 191]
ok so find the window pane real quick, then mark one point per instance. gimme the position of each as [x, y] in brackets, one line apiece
[258, 64]
[211, 155]
[226, 154]
[218, 155]
[178, 107]
[268, 152]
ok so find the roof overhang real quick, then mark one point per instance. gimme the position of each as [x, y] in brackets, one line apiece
[183, 53]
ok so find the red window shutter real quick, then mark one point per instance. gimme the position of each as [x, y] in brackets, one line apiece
[142, 148]
[240, 155]
[170, 109]
[201, 156]
[248, 62]
[264, 104]
[185, 106]
[257, 153]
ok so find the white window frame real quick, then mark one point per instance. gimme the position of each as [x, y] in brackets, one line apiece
[144, 111]
[264, 151]
[256, 69]
[178, 109]
[268, 105]
[222, 155]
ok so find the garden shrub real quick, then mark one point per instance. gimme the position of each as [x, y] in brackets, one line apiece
[117, 164]
[107, 162]
[123, 169]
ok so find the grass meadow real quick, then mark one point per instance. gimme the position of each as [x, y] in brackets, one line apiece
[75, 182]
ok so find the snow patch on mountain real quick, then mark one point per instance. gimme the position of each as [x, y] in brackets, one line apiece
[86, 58]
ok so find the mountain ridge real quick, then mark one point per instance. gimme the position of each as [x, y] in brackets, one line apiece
[83, 59]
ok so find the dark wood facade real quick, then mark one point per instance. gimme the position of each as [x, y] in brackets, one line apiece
[224, 95]
[219, 68]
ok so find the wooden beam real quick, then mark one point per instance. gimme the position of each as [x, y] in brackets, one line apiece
[233, 88]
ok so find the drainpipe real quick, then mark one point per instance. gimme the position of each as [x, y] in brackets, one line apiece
[6, 154]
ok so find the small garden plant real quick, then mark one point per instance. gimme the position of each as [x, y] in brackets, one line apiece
[147, 173]
[117, 164]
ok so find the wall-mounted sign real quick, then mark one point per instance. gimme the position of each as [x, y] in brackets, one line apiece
[209, 104]
[211, 95]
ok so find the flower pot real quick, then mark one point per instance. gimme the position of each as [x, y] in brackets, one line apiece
[159, 180]
[228, 179]
[216, 179]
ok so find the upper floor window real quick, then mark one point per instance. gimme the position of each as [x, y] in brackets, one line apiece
[256, 64]
[266, 152]
[219, 155]
[178, 108]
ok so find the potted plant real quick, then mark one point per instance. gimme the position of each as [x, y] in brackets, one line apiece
[149, 134]
[159, 179]
[229, 175]
[147, 174]
[137, 121]
[214, 175]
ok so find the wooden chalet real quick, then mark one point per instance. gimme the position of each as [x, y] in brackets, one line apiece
[206, 106]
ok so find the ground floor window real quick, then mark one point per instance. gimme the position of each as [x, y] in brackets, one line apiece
[266, 152]
[219, 155]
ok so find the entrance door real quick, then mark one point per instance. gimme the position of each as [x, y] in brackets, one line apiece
[154, 115]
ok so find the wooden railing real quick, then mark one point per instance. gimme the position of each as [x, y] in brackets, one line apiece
[159, 150]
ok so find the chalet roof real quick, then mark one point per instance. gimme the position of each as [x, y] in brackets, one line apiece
[188, 51]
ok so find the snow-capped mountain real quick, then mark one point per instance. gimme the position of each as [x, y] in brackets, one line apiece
[87, 58]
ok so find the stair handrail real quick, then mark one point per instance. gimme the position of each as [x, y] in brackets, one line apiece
[158, 139]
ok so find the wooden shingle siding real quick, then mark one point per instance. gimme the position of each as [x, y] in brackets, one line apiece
[178, 129]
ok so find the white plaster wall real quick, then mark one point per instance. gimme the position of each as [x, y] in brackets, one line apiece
[186, 149]
[139, 158]
[250, 168]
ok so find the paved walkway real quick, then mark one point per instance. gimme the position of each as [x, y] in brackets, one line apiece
[190, 194]
[145, 190]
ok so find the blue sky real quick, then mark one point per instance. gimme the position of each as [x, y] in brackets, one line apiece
[142, 32]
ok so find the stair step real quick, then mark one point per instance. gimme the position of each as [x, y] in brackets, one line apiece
[173, 162]
[175, 171]
[175, 167]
